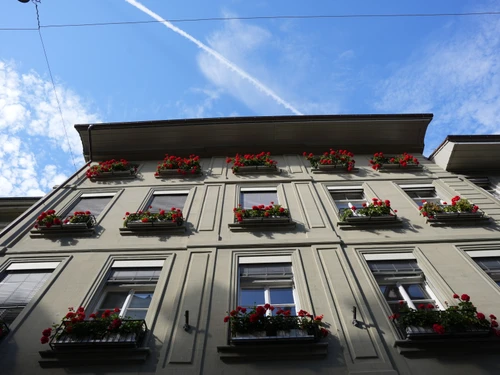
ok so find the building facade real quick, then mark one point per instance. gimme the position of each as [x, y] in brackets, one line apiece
[183, 281]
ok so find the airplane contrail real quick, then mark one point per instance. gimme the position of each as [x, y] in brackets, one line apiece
[266, 90]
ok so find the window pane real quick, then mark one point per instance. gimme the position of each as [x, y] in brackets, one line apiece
[391, 292]
[136, 314]
[416, 291]
[142, 300]
[94, 205]
[114, 299]
[18, 288]
[281, 295]
[252, 297]
[166, 202]
[255, 198]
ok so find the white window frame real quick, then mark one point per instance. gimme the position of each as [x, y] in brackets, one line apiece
[134, 288]
[346, 189]
[493, 275]
[403, 280]
[267, 285]
[421, 187]
[243, 190]
[69, 209]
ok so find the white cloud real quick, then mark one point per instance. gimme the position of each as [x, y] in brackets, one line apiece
[34, 148]
[457, 77]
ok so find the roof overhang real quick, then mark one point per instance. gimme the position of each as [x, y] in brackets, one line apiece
[468, 153]
[150, 140]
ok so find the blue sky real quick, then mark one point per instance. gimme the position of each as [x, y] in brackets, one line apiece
[449, 66]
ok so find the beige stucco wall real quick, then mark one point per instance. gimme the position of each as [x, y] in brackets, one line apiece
[200, 270]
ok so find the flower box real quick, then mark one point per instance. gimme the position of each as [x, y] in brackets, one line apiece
[280, 335]
[415, 333]
[110, 169]
[175, 173]
[399, 166]
[250, 169]
[332, 161]
[149, 224]
[458, 215]
[115, 174]
[63, 340]
[264, 220]
[362, 218]
[329, 168]
[403, 161]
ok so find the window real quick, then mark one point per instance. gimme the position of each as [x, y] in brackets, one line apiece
[421, 193]
[402, 280]
[18, 284]
[95, 203]
[130, 287]
[490, 265]
[485, 184]
[250, 197]
[165, 200]
[343, 196]
[267, 283]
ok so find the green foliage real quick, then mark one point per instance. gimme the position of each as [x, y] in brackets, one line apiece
[339, 158]
[174, 215]
[272, 210]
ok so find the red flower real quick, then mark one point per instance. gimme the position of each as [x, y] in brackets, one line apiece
[233, 313]
[493, 317]
[44, 340]
[116, 310]
[430, 306]
[480, 316]
[267, 306]
[465, 298]
[92, 316]
[494, 323]
[324, 332]
[401, 303]
[254, 318]
[438, 328]
[243, 310]
[421, 306]
[226, 319]
[47, 332]
[456, 296]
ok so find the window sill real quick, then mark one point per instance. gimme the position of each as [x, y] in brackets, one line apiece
[325, 169]
[67, 230]
[84, 356]
[458, 218]
[116, 175]
[257, 169]
[362, 222]
[153, 228]
[174, 173]
[261, 350]
[399, 168]
[262, 223]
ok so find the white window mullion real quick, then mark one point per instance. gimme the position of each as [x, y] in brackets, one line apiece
[126, 304]
[405, 296]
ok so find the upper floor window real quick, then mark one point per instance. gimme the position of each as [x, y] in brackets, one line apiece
[485, 184]
[490, 265]
[95, 203]
[18, 285]
[347, 196]
[402, 280]
[165, 200]
[250, 197]
[130, 288]
[420, 193]
[264, 283]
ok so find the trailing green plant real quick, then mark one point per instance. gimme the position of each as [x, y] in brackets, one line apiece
[454, 319]
[77, 325]
[377, 207]
[404, 159]
[263, 159]
[264, 318]
[174, 215]
[272, 210]
[338, 158]
[182, 165]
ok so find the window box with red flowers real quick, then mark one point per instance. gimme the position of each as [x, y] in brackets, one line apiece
[177, 166]
[78, 223]
[261, 217]
[80, 339]
[163, 221]
[254, 164]
[331, 161]
[261, 332]
[459, 211]
[112, 169]
[425, 325]
[375, 213]
[399, 162]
